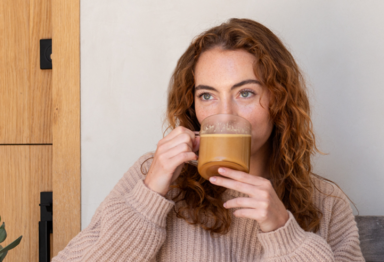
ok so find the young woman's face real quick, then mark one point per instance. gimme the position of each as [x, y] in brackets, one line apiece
[226, 84]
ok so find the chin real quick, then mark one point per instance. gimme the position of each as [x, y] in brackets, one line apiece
[260, 148]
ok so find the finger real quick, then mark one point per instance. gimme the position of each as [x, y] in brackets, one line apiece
[242, 202]
[182, 158]
[242, 176]
[177, 131]
[248, 213]
[178, 149]
[182, 138]
[233, 184]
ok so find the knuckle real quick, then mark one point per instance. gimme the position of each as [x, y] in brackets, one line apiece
[241, 176]
[185, 136]
[267, 183]
[263, 214]
[267, 197]
[184, 155]
[265, 204]
[185, 147]
[160, 147]
[237, 186]
[160, 158]
[181, 129]
[264, 195]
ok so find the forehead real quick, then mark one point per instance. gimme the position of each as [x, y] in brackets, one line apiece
[220, 67]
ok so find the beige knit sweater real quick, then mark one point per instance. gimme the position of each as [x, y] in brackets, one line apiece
[135, 223]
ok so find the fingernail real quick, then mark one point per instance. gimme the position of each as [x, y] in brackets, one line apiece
[221, 170]
[212, 179]
[225, 204]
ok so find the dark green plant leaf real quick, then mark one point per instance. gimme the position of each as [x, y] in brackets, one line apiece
[3, 233]
[12, 245]
[2, 256]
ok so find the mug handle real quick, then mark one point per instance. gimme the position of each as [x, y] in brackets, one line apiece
[194, 162]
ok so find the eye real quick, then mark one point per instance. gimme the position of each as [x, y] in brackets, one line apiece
[205, 96]
[246, 93]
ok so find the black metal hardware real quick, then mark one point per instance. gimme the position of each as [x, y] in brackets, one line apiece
[45, 53]
[45, 226]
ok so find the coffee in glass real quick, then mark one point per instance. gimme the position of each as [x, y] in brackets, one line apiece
[225, 141]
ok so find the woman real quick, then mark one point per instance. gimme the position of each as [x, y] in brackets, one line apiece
[163, 210]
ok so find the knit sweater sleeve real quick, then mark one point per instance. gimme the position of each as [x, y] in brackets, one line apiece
[292, 243]
[129, 225]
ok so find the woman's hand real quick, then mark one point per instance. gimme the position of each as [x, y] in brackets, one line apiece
[262, 205]
[171, 153]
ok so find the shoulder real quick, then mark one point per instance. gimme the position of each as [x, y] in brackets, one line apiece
[337, 225]
[322, 188]
[329, 197]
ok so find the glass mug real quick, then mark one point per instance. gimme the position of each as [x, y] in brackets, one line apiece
[225, 141]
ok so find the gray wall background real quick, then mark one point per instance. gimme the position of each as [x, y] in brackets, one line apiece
[130, 48]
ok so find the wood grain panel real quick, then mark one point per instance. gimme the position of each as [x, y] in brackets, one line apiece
[25, 171]
[25, 90]
[66, 121]
[40, 100]
[14, 71]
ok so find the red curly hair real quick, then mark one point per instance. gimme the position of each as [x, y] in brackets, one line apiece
[292, 138]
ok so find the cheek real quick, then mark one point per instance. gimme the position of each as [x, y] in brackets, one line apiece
[200, 114]
[261, 124]
[204, 111]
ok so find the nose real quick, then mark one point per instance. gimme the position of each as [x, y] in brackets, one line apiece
[227, 106]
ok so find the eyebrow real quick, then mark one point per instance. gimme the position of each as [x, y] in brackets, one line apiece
[199, 87]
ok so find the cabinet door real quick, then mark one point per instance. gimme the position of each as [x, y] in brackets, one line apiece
[25, 171]
[25, 89]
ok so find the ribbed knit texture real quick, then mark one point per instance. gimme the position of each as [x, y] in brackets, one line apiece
[135, 223]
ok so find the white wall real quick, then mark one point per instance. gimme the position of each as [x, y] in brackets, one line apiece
[130, 48]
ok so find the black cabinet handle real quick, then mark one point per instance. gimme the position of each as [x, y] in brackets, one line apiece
[45, 226]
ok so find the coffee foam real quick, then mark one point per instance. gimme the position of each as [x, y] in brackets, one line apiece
[225, 135]
[224, 128]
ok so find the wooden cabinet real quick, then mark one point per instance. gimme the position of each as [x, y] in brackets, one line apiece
[39, 122]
